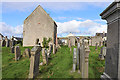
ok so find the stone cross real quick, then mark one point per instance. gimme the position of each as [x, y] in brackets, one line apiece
[74, 60]
[17, 53]
[34, 61]
[112, 59]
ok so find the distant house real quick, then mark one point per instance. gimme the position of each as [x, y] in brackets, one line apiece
[1, 36]
[101, 34]
[37, 26]
[17, 38]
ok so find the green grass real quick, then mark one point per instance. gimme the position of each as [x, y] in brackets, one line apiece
[96, 66]
[12, 68]
[60, 65]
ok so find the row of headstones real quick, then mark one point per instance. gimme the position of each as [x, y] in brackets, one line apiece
[35, 58]
[80, 59]
[7, 42]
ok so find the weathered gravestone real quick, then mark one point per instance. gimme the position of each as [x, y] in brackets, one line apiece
[100, 44]
[82, 58]
[104, 51]
[12, 42]
[54, 48]
[87, 51]
[50, 50]
[27, 53]
[12, 49]
[78, 56]
[34, 61]
[7, 41]
[3, 43]
[17, 53]
[96, 46]
[74, 60]
[112, 64]
[44, 56]
[90, 42]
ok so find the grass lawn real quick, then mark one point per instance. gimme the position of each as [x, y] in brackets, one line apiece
[60, 65]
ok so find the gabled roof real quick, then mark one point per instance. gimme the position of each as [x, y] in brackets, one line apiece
[44, 12]
[18, 38]
[1, 35]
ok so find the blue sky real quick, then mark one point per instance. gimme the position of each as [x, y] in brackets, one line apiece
[80, 18]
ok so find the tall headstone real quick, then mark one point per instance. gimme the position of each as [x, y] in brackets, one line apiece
[54, 48]
[82, 59]
[87, 51]
[112, 15]
[17, 53]
[78, 56]
[74, 60]
[34, 61]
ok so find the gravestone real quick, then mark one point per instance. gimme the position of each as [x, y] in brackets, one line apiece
[100, 44]
[74, 60]
[96, 45]
[3, 43]
[44, 56]
[82, 59]
[17, 53]
[12, 49]
[104, 51]
[90, 42]
[27, 53]
[78, 56]
[87, 51]
[34, 61]
[54, 49]
[7, 41]
[112, 59]
[50, 50]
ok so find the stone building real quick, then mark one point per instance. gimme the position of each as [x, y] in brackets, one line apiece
[38, 25]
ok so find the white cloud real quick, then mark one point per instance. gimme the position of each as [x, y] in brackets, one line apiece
[8, 30]
[87, 27]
